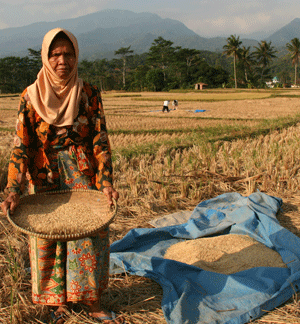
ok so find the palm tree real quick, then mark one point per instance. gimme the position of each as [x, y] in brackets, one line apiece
[232, 49]
[264, 53]
[294, 48]
[246, 60]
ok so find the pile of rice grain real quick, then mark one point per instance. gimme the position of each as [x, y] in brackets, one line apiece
[225, 254]
[67, 213]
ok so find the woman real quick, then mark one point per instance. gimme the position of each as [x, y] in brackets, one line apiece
[61, 142]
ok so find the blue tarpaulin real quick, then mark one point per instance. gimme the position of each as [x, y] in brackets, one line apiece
[192, 295]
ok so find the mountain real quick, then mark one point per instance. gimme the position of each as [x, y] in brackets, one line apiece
[102, 33]
[139, 33]
[285, 34]
[258, 35]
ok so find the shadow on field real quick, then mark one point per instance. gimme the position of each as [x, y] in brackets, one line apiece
[288, 216]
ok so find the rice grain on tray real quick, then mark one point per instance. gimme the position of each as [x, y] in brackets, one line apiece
[62, 213]
[225, 254]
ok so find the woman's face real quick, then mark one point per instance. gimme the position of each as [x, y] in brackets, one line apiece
[62, 57]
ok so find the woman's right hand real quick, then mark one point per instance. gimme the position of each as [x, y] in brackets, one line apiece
[11, 202]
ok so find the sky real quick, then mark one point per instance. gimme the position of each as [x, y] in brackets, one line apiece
[208, 18]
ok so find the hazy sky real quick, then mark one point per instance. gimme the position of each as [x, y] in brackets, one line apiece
[205, 17]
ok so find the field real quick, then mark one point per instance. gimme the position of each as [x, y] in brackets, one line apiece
[217, 141]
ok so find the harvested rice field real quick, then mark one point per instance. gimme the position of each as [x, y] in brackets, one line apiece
[247, 104]
[217, 141]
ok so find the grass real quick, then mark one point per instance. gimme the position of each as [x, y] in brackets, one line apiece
[140, 143]
[160, 170]
[9, 95]
[7, 129]
[210, 97]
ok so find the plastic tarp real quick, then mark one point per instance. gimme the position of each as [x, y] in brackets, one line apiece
[176, 218]
[192, 295]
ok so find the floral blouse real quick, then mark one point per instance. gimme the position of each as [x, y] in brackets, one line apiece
[36, 142]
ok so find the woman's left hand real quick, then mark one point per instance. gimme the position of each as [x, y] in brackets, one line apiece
[111, 193]
[10, 203]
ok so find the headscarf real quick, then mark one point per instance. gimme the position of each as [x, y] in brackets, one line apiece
[56, 100]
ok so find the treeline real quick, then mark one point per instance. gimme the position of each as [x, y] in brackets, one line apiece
[253, 67]
[163, 67]
[16, 73]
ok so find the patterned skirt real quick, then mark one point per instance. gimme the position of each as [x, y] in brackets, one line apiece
[73, 271]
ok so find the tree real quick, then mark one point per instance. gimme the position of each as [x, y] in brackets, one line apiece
[35, 59]
[124, 52]
[140, 82]
[284, 77]
[214, 77]
[155, 80]
[264, 54]
[188, 56]
[161, 54]
[294, 48]
[16, 73]
[35, 55]
[186, 59]
[245, 60]
[232, 49]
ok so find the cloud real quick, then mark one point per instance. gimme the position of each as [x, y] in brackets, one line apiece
[3, 25]
[218, 17]
[61, 10]
[86, 11]
[232, 25]
[47, 10]
[44, 10]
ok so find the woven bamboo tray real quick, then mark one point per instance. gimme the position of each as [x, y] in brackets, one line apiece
[63, 215]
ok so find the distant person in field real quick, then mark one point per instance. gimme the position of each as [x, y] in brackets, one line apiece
[175, 104]
[166, 106]
[61, 143]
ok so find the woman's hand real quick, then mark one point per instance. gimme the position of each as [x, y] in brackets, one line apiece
[11, 202]
[111, 193]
